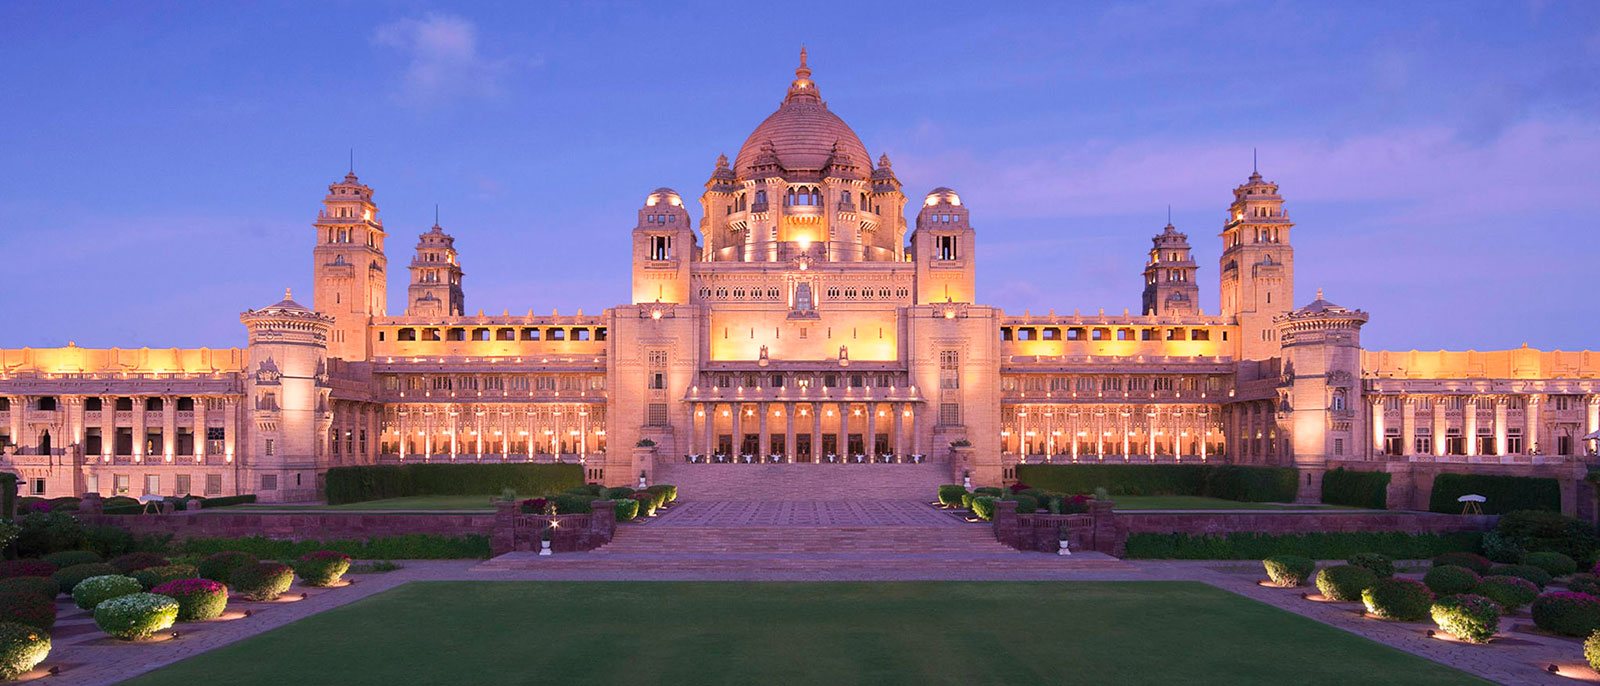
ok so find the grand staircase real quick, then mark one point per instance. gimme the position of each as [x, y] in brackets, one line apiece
[804, 481]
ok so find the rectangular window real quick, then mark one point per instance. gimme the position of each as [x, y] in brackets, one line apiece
[152, 484]
[215, 435]
[38, 486]
[93, 483]
[658, 414]
[213, 484]
[949, 413]
[945, 248]
[949, 369]
[182, 485]
[269, 482]
[658, 381]
[121, 482]
[269, 447]
[1338, 446]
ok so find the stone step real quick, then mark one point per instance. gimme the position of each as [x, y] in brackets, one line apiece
[788, 539]
[810, 481]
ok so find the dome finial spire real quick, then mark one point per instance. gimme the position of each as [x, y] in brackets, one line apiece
[802, 87]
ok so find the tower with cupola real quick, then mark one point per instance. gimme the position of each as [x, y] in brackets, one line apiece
[1257, 266]
[435, 289]
[287, 395]
[1169, 276]
[942, 248]
[349, 267]
[664, 245]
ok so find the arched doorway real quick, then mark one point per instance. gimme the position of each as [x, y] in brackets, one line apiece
[44, 442]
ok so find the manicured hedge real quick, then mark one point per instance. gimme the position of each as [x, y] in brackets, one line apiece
[404, 547]
[1450, 580]
[1249, 484]
[1471, 618]
[1289, 570]
[1356, 489]
[356, 484]
[1345, 582]
[22, 647]
[1503, 493]
[1317, 546]
[1398, 599]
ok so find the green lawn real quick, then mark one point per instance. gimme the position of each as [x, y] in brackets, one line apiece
[649, 633]
[420, 502]
[1196, 502]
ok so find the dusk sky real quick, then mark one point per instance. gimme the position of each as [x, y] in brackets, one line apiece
[161, 164]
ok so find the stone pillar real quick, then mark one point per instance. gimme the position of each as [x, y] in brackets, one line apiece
[1441, 427]
[1530, 431]
[788, 432]
[869, 443]
[502, 538]
[603, 519]
[19, 407]
[199, 430]
[108, 427]
[738, 429]
[230, 432]
[764, 439]
[1106, 536]
[138, 429]
[405, 435]
[1005, 522]
[1408, 426]
[1592, 419]
[816, 432]
[899, 430]
[711, 428]
[844, 431]
[1376, 403]
[1469, 426]
[1500, 425]
[169, 427]
[916, 428]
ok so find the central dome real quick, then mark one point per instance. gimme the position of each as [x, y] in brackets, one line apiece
[802, 134]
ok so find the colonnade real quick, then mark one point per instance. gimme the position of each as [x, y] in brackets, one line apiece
[425, 431]
[1500, 424]
[1093, 432]
[807, 430]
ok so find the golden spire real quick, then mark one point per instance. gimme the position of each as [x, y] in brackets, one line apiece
[802, 86]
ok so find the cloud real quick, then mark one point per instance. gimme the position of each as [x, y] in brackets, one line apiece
[446, 62]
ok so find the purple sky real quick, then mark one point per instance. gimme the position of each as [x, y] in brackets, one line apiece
[160, 165]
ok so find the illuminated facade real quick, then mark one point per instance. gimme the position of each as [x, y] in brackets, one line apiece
[800, 319]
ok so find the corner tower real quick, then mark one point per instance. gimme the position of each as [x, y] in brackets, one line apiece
[286, 389]
[1322, 388]
[1257, 266]
[942, 249]
[1169, 276]
[663, 246]
[348, 267]
[435, 289]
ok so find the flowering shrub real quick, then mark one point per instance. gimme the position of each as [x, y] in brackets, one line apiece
[538, 506]
[32, 609]
[261, 581]
[198, 599]
[1566, 613]
[69, 577]
[1399, 599]
[1289, 570]
[94, 590]
[1075, 504]
[44, 586]
[1380, 565]
[1591, 651]
[1477, 563]
[133, 562]
[1345, 582]
[1450, 580]
[22, 648]
[1471, 618]
[16, 568]
[151, 577]
[1538, 576]
[1554, 563]
[1584, 583]
[135, 616]
[219, 566]
[69, 558]
[1509, 591]
[322, 568]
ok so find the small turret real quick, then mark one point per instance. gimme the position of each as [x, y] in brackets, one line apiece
[1169, 276]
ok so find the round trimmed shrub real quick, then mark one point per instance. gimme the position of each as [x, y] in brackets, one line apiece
[1538, 576]
[261, 581]
[617, 493]
[1345, 582]
[1568, 614]
[1471, 618]
[14, 568]
[151, 577]
[72, 558]
[94, 590]
[1477, 563]
[573, 503]
[1554, 563]
[198, 599]
[983, 507]
[135, 616]
[1584, 583]
[1591, 651]
[68, 577]
[1450, 580]
[1380, 565]
[626, 509]
[44, 586]
[668, 492]
[647, 503]
[1398, 599]
[322, 568]
[22, 648]
[32, 609]
[950, 494]
[1509, 591]
[219, 566]
[133, 562]
[1289, 570]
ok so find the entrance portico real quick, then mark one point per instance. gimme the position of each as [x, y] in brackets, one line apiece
[806, 431]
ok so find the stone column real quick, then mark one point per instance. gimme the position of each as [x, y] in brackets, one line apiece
[738, 429]
[764, 440]
[1500, 425]
[405, 434]
[899, 410]
[1441, 427]
[816, 432]
[788, 432]
[169, 427]
[1376, 403]
[199, 430]
[108, 427]
[1408, 426]
[1592, 419]
[869, 444]
[844, 431]
[230, 431]
[916, 426]
[138, 428]
[711, 428]
[1469, 426]
[1530, 418]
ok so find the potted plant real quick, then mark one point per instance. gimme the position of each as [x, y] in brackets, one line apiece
[544, 539]
[966, 479]
[1061, 539]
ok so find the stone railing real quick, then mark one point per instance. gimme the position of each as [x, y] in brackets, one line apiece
[515, 531]
[1095, 530]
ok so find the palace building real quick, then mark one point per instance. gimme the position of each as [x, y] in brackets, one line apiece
[812, 313]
